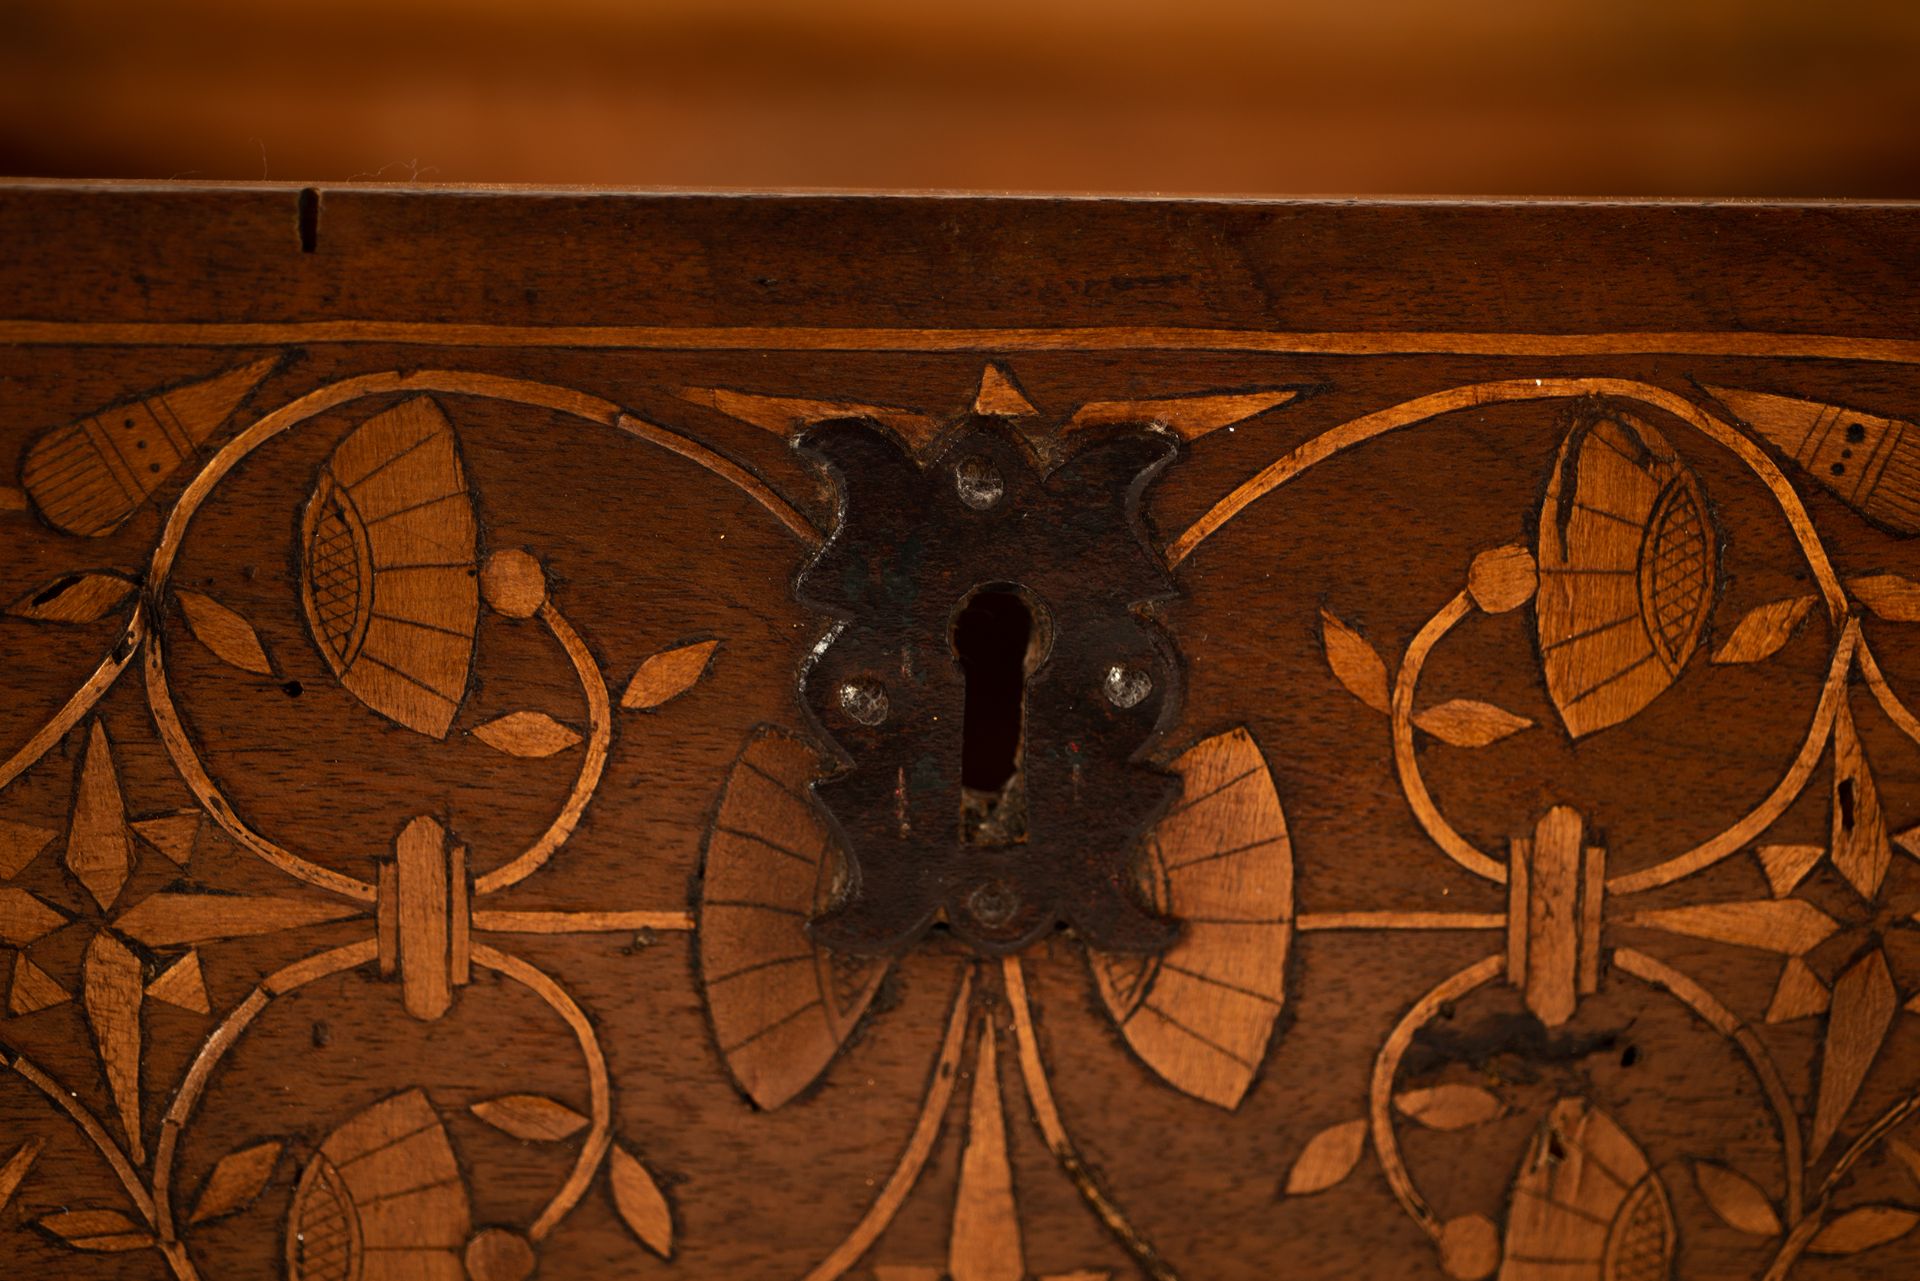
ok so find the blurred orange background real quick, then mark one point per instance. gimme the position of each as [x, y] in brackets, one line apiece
[1555, 97]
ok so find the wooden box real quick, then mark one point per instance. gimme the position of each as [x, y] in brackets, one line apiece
[901, 738]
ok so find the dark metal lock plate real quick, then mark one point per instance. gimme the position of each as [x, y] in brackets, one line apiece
[993, 684]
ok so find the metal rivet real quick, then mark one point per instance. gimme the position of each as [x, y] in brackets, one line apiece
[978, 483]
[993, 904]
[865, 701]
[1126, 686]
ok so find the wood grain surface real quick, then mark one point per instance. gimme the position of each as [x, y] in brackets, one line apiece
[423, 635]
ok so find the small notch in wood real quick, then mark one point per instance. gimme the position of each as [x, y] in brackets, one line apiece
[308, 217]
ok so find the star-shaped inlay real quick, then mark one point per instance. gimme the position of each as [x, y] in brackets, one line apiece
[1835, 956]
[1847, 976]
[102, 850]
[133, 954]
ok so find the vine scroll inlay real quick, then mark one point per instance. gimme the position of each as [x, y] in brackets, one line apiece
[1349, 860]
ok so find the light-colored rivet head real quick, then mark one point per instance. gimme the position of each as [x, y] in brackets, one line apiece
[865, 701]
[978, 482]
[1126, 686]
[993, 904]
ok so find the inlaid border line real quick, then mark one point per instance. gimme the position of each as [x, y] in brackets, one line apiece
[1097, 338]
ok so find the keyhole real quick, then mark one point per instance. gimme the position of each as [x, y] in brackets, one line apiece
[999, 640]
